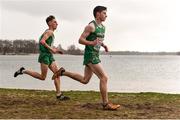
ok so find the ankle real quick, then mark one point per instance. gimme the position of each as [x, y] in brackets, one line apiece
[23, 71]
[104, 104]
[63, 73]
[58, 93]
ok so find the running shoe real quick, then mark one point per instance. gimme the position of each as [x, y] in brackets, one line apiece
[58, 73]
[62, 97]
[110, 106]
[19, 72]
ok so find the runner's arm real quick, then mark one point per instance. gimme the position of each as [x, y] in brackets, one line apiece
[82, 40]
[43, 41]
[105, 47]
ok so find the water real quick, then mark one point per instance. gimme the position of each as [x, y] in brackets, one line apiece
[129, 73]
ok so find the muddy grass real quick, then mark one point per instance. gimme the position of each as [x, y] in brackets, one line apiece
[37, 104]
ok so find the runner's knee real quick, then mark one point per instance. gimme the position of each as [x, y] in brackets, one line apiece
[85, 81]
[43, 77]
[104, 79]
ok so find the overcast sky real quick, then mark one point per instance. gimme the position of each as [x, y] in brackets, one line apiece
[133, 25]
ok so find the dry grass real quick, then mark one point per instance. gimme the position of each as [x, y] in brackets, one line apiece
[36, 104]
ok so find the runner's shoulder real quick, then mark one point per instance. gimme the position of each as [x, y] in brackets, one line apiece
[90, 27]
[48, 32]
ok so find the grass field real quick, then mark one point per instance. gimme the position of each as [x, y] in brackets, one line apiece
[38, 104]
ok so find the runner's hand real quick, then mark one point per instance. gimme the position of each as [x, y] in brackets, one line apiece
[106, 48]
[55, 50]
[60, 52]
[97, 41]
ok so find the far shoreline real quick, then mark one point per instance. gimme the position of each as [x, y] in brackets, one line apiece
[112, 53]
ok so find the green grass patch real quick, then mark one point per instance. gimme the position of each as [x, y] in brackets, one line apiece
[42, 104]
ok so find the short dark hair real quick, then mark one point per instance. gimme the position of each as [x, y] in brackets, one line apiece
[98, 9]
[51, 17]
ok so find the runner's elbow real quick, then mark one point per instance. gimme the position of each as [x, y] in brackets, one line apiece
[42, 42]
[80, 41]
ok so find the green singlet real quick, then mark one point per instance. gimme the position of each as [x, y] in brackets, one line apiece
[45, 55]
[91, 54]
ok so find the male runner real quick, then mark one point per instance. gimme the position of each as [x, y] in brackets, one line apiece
[46, 58]
[92, 38]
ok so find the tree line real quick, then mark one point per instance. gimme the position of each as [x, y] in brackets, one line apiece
[19, 47]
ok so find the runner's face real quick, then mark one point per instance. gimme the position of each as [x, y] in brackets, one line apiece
[53, 24]
[103, 15]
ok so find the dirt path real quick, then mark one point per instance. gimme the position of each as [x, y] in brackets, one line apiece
[34, 104]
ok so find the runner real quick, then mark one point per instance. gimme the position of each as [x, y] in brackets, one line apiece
[46, 58]
[92, 38]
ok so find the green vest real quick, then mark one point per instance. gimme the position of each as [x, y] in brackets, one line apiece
[49, 41]
[98, 33]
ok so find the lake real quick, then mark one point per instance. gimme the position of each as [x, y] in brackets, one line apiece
[127, 73]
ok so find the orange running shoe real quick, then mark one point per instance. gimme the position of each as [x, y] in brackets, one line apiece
[110, 106]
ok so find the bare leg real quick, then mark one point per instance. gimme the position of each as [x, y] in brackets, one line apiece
[54, 68]
[83, 79]
[98, 70]
[42, 76]
[88, 72]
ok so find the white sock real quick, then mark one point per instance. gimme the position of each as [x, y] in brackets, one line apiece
[58, 94]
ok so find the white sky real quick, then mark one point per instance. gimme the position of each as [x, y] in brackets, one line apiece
[133, 25]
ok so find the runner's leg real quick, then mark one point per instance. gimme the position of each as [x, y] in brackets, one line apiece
[42, 76]
[76, 76]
